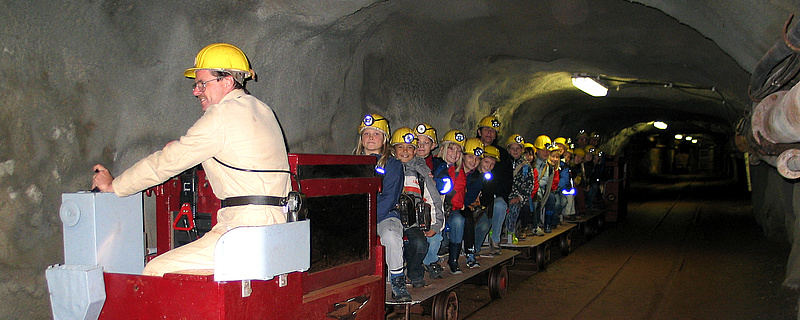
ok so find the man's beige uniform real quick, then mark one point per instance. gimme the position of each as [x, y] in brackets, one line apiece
[240, 131]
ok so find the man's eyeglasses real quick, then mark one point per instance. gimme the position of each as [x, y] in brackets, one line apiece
[201, 86]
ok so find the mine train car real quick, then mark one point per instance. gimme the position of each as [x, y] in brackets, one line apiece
[332, 268]
[340, 272]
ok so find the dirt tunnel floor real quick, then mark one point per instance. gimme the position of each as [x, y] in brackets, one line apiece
[687, 250]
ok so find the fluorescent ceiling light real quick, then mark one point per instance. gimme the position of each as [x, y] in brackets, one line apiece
[678, 136]
[660, 125]
[589, 85]
[688, 138]
[694, 140]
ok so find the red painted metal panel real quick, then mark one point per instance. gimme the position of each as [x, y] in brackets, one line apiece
[180, 296]
[296, 159]
[198, 297]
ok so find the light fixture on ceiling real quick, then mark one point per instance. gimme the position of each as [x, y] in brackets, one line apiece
[678, 136]
[688, 138]
[589, 85]
[694, 140]
[660, 125]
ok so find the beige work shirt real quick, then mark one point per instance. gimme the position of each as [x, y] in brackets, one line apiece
[240, 131]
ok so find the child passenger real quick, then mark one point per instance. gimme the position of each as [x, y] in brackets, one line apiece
[473, 152]
[373, 140]
[451, 181]
[427, 143]
[491, 155]
[419, 187]
[527, 220]
[522, 187]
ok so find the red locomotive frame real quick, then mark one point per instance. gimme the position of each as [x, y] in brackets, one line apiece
[352, 288]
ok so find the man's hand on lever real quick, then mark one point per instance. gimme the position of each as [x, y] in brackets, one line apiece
[101, 181]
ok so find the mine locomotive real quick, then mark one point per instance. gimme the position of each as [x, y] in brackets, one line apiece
[329, 266]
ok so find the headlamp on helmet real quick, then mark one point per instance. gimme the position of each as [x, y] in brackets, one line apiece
[515, 138]
[369, 120]
[542, 142]
[374, 121]
[489, 122]
[455, 136]
[426, 130]
[474, 146]
[404, 135]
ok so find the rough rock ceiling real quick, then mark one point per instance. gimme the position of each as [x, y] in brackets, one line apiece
[528, 51]
[101, 81]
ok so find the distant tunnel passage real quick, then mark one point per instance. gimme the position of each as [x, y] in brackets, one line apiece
[688, 249]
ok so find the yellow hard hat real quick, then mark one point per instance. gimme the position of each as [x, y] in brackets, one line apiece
[491, 151]
[543, 142]
[528, 145]
[455, 136]
[220, 57]
[515, 138]
[474, 146]
[404, 135]
[489, 122]
[582, 133]
[424, 129]
[561, 140]
[578, 152]
[590, 149]
[374, 121]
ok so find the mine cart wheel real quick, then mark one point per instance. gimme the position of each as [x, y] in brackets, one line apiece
[565, 243]
[601, 223]
[445, 306]
[589, 230]
[542, 256]
[498, 282]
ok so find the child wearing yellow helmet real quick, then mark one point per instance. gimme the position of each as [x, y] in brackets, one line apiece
[427, 142]
[474, 151]
[545, 207]
[419, 190]
[448, 171]
[521, 189]
[374, 140]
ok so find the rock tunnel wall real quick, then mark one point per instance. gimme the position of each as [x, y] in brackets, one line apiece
[101, 82]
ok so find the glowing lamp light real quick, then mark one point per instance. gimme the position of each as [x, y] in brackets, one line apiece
[660, 125]
[589, 85]
[569, 192]
[487, 176]
[679, 137]
[688, 138]
[448, 185]
[380, 170]
[694, 140]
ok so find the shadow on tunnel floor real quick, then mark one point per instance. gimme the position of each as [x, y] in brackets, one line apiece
[688, 187]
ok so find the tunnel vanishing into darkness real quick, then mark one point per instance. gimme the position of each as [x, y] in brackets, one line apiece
[101, 82]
